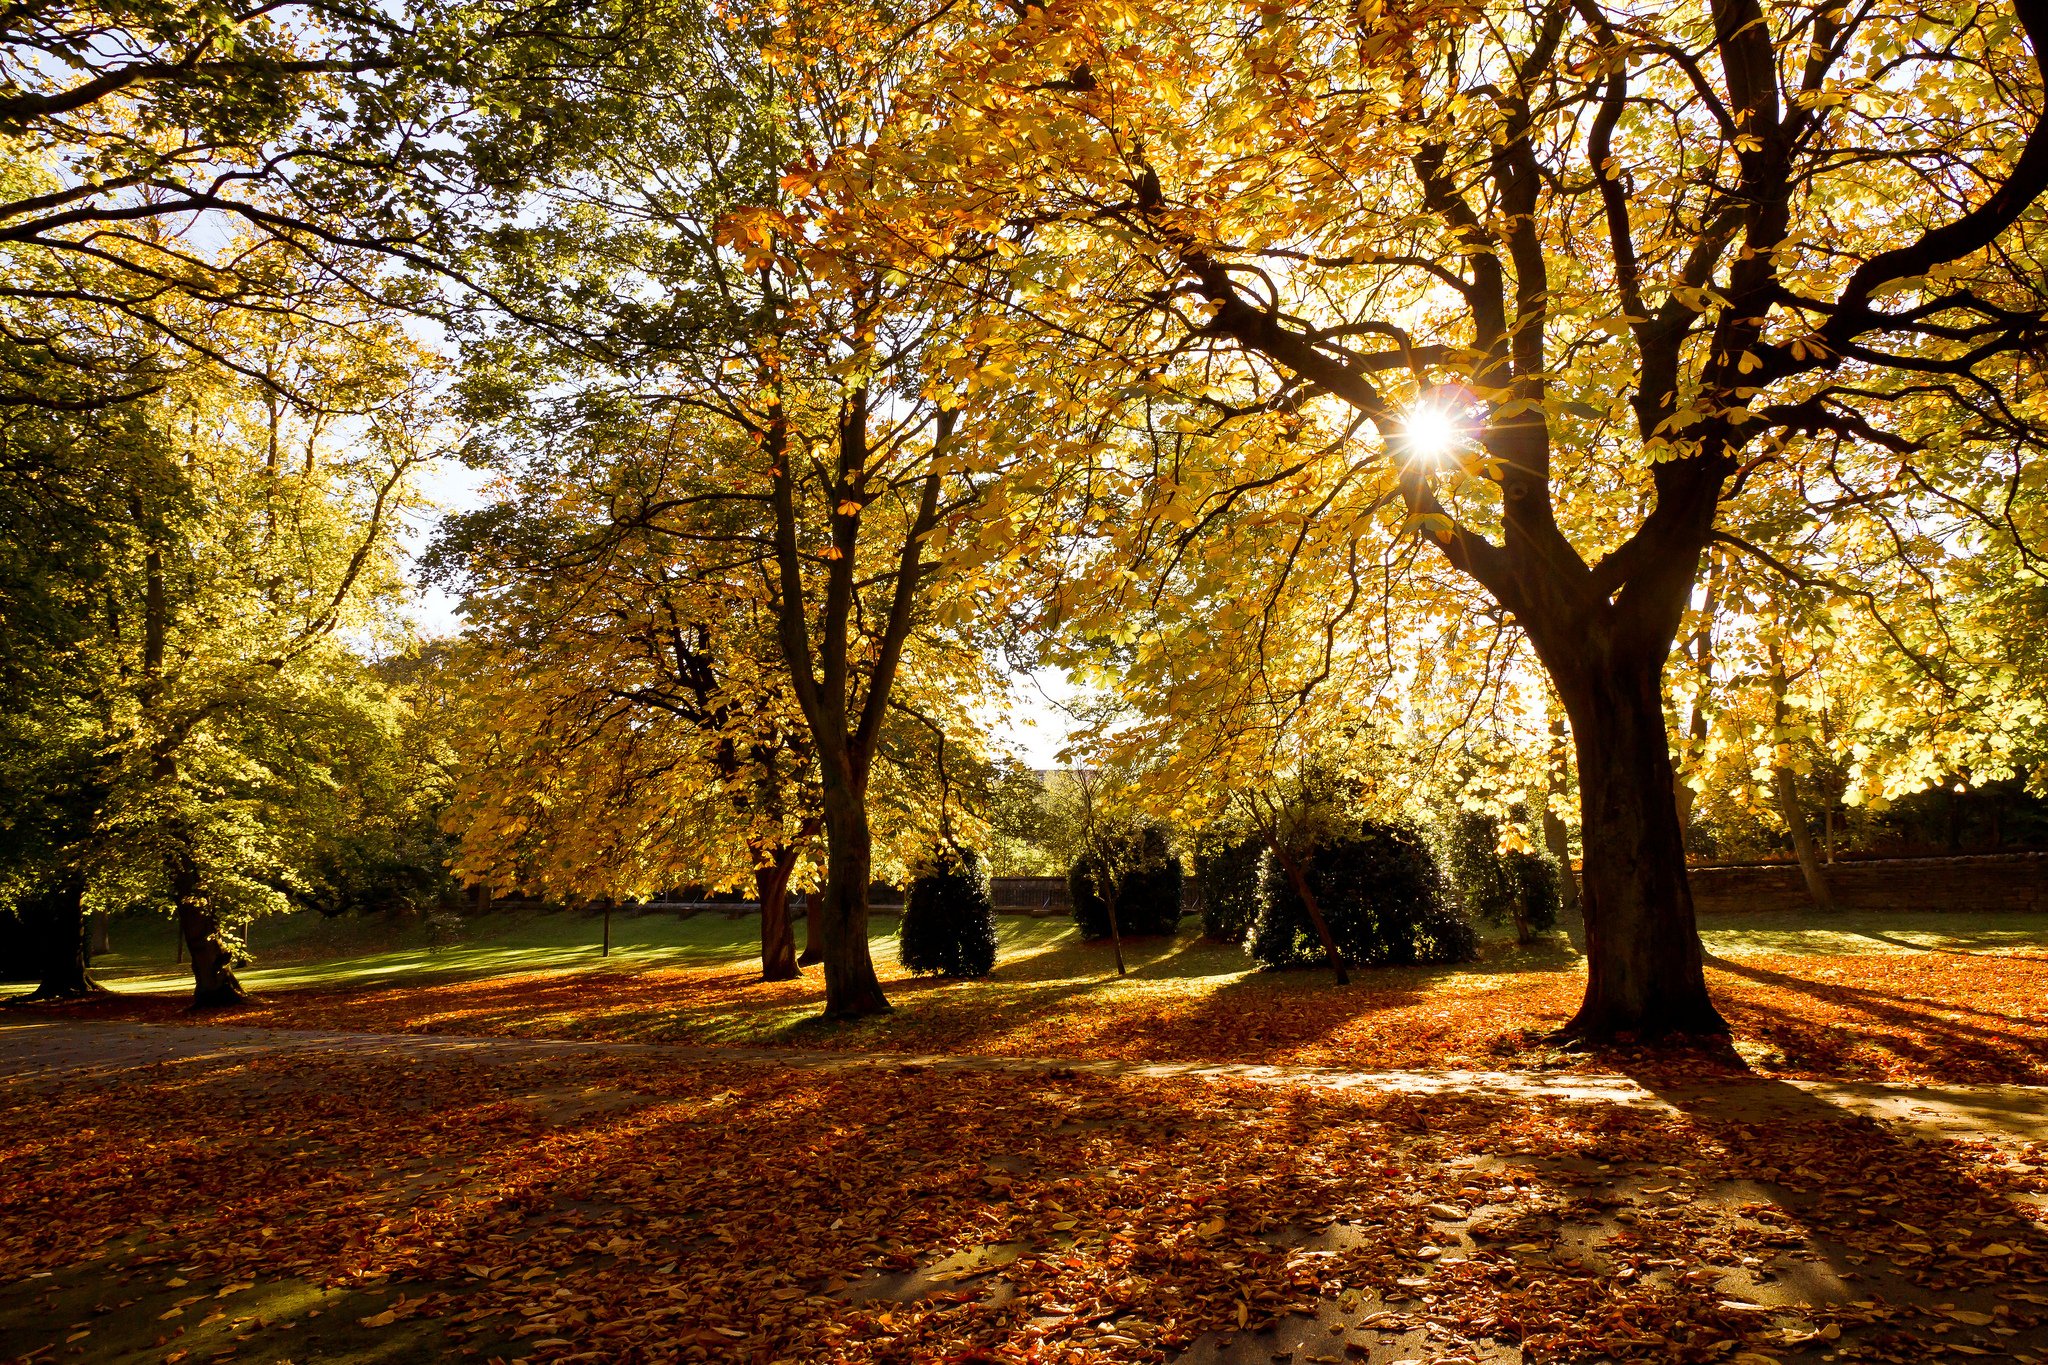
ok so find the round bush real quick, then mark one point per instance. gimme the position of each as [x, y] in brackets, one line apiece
[1230, 890]
[949, 923]
[1381, 894]
[1148, 893]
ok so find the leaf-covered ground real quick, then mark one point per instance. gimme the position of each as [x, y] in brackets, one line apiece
[312, 1206]
[1906, 1013]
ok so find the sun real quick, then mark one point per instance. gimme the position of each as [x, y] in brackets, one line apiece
[1430, 432]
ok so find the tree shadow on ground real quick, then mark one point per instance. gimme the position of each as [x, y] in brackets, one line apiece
[1919, 1031]
[1872, 1213]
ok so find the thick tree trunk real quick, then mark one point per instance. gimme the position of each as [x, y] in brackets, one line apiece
[1645, 974]
[57, 929]
[778, 934]
[840, 925]
[1785, 787]
[214, 984]
[1299, 878]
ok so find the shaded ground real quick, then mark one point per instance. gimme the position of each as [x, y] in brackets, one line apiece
[184, 1194]
[1884, 997]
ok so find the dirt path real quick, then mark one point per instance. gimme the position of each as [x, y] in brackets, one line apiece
[39, 1047]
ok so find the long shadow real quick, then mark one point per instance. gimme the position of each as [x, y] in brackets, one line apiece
[1850, 1183]
[1875, 1003]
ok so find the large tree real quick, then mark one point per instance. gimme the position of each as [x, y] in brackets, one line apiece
[1588, 280]
[695, 228]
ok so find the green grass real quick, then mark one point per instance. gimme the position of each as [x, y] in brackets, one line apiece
[305, 949]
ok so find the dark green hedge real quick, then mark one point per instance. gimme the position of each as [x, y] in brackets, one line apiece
[1230, 889]
[949, 923]
[1382, 895]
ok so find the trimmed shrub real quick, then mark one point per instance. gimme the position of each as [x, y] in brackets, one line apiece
[1148, 895]
[1230, 890]
[949, 923]
[1382, 895]
[1518, 888]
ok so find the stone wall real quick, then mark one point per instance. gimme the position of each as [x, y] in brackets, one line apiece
[1969, 883]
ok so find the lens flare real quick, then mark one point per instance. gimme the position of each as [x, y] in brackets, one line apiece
[1431, 432]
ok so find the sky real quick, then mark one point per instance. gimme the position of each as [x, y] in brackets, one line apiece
[1034, 726]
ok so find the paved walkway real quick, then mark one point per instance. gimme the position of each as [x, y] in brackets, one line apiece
[33, 1048]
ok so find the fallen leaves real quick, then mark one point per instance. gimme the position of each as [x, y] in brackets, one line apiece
[751, 1212]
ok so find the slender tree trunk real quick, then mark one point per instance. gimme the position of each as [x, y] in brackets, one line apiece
[214, 984]
[606, 950]
[1295, 875]
[1785, 787]
[1645, 973]
[1116, 933]
[1703, 682]
[778, 935]
[1556, 837]
[100, 941]
[840, 926]
[58, 934]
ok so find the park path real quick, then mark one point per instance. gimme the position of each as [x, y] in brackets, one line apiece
[32, 1048]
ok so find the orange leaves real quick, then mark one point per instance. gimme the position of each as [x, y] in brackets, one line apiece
[754, 1212]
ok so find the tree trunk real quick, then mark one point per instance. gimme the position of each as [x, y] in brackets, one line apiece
[814, 947]
[840, 926]
[214, 984]
[1116, 933]
[1292, 866]
[1556, 837]
[57, 933]
[1785, 787]
[1645, 974]
[778, 934]
[100, 941]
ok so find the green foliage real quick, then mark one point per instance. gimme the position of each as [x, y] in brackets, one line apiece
[949, 923]
[1382, 895]
[1514, 887]
[1230, 889]
[1148, 881]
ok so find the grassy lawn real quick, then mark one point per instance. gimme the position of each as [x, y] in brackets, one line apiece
[1904, 996]
[310, 950]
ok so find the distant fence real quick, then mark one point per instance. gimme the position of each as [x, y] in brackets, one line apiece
[1963, 883]
[1026, 894]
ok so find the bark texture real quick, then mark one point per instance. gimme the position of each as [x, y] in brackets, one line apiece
[840, 926]
[1645, 971]
[778, 934]
[214, 983]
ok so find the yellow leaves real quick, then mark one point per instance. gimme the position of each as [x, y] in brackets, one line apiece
[1698, 298]
[848, 508]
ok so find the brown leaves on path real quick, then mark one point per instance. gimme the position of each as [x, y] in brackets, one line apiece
[617, 1209]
